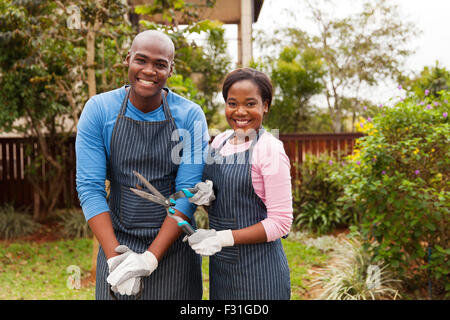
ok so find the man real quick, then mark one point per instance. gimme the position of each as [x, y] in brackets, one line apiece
[135, 128]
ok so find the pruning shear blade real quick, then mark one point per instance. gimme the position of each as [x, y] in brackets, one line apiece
[148, 196]
[148, 185]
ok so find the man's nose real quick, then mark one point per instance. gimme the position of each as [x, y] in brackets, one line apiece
[149, 69]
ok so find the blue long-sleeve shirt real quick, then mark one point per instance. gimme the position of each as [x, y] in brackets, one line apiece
[93, 142]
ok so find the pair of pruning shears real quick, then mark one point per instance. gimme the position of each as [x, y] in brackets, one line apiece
[168, 203]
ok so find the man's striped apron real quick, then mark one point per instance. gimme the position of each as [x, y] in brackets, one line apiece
[146, 147]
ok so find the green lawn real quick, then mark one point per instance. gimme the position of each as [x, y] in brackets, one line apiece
[30, 270]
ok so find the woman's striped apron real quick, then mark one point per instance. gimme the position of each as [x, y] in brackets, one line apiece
[251, 271]
[146, 147]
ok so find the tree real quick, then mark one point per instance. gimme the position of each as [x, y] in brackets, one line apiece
[46, 64]
[434, 79]
[359, 50]
[211, 63]
[296, 77]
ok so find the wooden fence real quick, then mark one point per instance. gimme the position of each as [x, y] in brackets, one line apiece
[297, 145]
[16, 155]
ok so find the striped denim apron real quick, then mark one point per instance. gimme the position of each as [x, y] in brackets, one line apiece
[245, 271]
[146, 147]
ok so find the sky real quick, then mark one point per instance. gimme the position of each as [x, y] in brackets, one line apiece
[432, 17]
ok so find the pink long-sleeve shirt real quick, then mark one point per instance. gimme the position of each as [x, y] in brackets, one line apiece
[271, 179]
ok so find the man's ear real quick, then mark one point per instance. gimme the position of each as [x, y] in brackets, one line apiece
[127, 59]
[171, 68]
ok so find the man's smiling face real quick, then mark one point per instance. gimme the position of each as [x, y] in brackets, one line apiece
[150, 64]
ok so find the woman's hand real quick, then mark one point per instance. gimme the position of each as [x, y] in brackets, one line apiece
[209, 242]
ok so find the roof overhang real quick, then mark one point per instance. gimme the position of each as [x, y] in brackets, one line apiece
[226, 11]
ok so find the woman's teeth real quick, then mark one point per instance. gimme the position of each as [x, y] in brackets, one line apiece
[242, 122]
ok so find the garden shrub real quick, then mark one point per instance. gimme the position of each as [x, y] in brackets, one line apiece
[201, 218]
[73, 223]
[353, 276]
[315, 199]
[16, 223]
[398, 180]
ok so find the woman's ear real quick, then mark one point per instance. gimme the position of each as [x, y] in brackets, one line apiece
[266, 107]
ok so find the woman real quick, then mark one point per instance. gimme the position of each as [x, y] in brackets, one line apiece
[253, 207]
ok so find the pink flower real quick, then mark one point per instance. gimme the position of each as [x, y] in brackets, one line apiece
[330, 162]
[365, 108]
[380, 106]
[417, 172]
[428, 106]
[427, 92]
[445, 114]
[358, 162]
[383, 172]
[369, 119]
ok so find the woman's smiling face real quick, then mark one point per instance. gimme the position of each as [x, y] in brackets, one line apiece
[244, 108]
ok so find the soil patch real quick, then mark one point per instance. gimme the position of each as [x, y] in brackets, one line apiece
[49, 231]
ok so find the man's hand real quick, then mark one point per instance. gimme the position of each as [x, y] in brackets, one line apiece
[123, 252]
[135, 265]
[131, 286]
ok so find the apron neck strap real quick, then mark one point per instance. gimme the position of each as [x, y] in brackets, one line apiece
[166, 108]
[254, 141]
[125, 100]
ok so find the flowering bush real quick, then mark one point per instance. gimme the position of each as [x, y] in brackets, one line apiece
[398, 180]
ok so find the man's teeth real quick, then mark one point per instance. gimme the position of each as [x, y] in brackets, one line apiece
[242, 121]
[146, 82]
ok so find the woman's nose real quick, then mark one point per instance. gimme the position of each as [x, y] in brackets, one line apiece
[241, 109]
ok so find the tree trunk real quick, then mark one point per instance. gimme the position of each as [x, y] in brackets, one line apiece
[90, 61]
[337, 126]
[95, 246]
[36, 204]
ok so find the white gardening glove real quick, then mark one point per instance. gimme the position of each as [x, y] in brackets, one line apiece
[135, 265]
[212, 244]
[199, 235]
[204, 195]
[131, 286]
